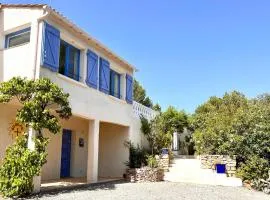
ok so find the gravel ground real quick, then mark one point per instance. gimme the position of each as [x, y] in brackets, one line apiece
[162, 190]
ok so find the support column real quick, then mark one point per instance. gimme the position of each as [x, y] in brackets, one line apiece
[93, 148]
[31, 145]
[175, 142]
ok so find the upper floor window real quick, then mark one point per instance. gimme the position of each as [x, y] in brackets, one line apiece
[69, 61]
[115, 84]
[18, 38]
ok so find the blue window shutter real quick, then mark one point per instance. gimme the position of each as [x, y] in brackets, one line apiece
[129, 89]
[92, 69]
[104, 76]
[50, 47]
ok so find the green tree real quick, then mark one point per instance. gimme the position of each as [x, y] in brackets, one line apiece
[43, 102]
[174, 120]
[148, 102]
[139, 95]
[39, 100]
[235, 125]
[159, 130]
[157, 107]
[153, 131]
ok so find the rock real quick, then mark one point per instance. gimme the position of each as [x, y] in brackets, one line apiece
[145, 174]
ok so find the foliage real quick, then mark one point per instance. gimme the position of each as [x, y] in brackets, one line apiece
[139, 95]
[190, 144]
[262, 184]
[174, 120]
[152, 161]
[20, 165]
[137, 155]
[38, 99]
[253, 169]
[153, 131]
[159, 131]
[157, 107]
[234, 125]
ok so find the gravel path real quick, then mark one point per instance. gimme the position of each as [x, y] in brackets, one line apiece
[162, 190]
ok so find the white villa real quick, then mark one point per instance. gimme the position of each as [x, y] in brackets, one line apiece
[37, 41]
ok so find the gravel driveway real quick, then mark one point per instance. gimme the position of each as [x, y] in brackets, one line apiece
[162, 190]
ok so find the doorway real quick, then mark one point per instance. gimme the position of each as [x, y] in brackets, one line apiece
[66, 152]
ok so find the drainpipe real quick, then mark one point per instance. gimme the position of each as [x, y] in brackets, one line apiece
[32, 133]
[47, 12]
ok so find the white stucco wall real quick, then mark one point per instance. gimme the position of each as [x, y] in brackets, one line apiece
[15, 62]
[15, 19]
[91, 103]
[7, 115]
[18, 61]
[112, 152]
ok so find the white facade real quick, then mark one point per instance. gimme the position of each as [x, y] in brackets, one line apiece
[103, 122]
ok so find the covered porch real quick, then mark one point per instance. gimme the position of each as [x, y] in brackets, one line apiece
[87, 151]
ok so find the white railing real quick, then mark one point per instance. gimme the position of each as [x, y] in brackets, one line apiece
[141, 110]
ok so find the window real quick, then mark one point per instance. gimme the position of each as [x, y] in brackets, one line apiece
[69, 61]
[18, 38]
[115, 84]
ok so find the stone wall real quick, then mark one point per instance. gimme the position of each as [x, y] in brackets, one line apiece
[163, 161]
[210, 161]
[145, 174]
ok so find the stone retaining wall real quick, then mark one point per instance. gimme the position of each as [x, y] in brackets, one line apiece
[145, 174]
[148, 174]
[163, 161]
[210, 161]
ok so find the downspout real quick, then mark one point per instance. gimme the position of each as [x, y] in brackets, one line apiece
[32, 132]
[47, 12]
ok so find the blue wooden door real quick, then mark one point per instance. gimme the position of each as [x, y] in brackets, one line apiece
[66, 150]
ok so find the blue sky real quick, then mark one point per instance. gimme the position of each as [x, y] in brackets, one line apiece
[186, 51]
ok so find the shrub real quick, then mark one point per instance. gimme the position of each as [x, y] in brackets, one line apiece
[152, 161]
[235, 125]
[43, 104]
[253, 169]
[20, 165]
[137, 155]
[155, 135]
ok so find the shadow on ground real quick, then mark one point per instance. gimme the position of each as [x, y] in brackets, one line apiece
[86, 187]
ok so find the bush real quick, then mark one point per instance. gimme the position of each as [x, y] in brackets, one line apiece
[235, 125]
[253, 169]
[20, 165]
[152, 161]
[137, 155]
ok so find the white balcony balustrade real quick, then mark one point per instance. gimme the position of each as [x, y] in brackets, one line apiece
[141, 110]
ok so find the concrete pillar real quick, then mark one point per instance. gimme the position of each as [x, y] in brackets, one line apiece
[93, 148]
[175, 141]
[31, 145]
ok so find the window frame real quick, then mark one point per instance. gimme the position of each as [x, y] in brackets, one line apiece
[67, 45]
[112, 93]
[17, 33]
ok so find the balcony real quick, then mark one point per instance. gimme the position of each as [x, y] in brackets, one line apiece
[141, 110]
